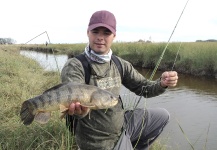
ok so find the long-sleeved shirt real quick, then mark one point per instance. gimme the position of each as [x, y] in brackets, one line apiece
[104, 127]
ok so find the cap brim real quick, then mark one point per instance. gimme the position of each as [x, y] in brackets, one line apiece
[93, 26]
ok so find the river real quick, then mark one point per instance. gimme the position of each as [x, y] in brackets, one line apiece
[192, 105]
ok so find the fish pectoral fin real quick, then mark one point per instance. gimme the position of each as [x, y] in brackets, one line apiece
[89, 105]
[63, 108]
[42, 117]
[63, 114]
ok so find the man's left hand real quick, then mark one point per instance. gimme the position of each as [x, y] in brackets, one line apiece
[169, 79]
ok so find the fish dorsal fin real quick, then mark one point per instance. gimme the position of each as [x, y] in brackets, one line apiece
[42, 117]
[54, 88]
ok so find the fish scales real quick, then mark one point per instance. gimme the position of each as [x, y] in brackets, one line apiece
[61, 96]
[67, 96]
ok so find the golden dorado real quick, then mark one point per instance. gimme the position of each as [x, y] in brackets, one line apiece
[60, 97]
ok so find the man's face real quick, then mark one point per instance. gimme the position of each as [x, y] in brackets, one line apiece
[100, 40]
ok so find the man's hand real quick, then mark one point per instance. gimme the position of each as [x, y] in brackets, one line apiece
[169, 79]
[77, 109]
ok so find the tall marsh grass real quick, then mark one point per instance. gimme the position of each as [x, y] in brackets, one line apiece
[196, 58]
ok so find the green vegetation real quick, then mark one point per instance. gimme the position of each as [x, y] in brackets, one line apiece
[20, 79]
[195, 58]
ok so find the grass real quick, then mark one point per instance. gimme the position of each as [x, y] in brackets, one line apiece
[195, 58]
[20, 79]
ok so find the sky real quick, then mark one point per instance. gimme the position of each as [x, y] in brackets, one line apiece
[66, 21]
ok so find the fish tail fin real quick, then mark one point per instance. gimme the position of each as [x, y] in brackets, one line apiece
[26, 113]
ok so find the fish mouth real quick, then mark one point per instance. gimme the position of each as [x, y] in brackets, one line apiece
[110, 104]
[115, 99]
[114, 102]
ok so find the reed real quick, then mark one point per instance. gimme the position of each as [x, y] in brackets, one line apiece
[195, 58]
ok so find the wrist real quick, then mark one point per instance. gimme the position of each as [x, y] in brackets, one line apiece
[161, 83]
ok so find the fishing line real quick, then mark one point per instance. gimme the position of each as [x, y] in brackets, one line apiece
[176, 56]
[154, 71]
[46, 44]
[34, 38]
[161, 57]
[145, 102]
[53, 54]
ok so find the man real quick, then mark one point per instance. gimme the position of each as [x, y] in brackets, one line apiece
[114, 128]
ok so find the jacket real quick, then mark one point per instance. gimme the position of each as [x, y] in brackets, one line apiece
[104, 127]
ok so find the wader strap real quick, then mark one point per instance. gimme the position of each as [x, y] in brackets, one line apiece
[87, 68]
[119, 66]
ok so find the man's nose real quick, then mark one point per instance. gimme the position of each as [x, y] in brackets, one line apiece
[100, 36]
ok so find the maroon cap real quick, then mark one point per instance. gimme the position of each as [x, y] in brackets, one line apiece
[103, 19]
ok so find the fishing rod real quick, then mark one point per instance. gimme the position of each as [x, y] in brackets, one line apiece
[46, 45]
[155, 69]
[53, 54]
[176, 56]
[36, 37]
[161, 57]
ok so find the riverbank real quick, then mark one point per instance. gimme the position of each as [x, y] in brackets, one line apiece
[194, 58]
[22, 78]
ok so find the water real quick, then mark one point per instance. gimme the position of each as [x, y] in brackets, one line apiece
[192, 105]
[48, 61]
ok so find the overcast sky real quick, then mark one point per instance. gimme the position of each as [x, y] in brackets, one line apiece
[66, 21]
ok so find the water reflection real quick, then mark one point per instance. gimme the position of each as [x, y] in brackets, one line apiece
[47, 61]
[193, 106]
[201, 85]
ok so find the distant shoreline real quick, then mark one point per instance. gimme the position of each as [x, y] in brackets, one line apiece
[194, 58]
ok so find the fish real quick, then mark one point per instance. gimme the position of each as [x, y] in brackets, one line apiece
[59, 97]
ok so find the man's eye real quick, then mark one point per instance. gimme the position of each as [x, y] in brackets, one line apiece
[107, 33]
[94, 31]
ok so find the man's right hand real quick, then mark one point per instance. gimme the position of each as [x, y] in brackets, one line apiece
[76, 109]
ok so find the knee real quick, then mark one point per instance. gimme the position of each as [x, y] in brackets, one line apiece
[165, 114]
